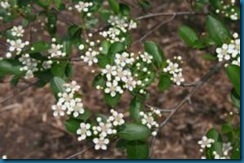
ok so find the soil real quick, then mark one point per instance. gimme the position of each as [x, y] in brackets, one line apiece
[28, 130]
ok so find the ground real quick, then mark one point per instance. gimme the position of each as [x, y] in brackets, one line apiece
[28, 129]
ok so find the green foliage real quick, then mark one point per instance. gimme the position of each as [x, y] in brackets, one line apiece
[136, 106]
[217, 31]
[234, 74]
[57, 85]
[137, 149]
[188, 35]
[134, 131]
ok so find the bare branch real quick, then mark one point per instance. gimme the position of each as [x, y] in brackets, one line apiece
[81, 152]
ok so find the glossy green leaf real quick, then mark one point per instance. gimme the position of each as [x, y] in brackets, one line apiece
[137, 150]
[133, 131]
[234, 74]
[57, 85]
[112, 101]
[164, 82]
[217, 31]
[72, 125]
[136, 106]
[39, 46]
[114, 4]
[154, 50]
[9, 67]
[188, 35]
[235, 99]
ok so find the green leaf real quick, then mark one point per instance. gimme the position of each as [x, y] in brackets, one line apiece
[9, 67]
[59, 69]
[145, 4]
[209, 57]
[99, 80]
[137, 150]
[235, 99]
[57, 85]
[75, 32]
[124, 9]
[234, 74]
[72, 125]
[69, 71]
[136, 106]
[153, 49]
[51, 23]
[217, 31]
[105, 47]
[43, 3]
[85, 116]
[112, 101]
[39, 46]
[226, 128]
[164, 82]
[188, 35]
[214, 134]
[215, 3]
[114, 5]
[116, 47]
[133, 131]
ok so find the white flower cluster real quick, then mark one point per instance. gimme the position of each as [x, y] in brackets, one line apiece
[230, 52]
[228, 10]
[67, 101]
[148, 119]
[16, 45]
[84, 7]
[174, 69]
[90, 51]
[102, 130]
[29, 65]
[119, 25]
[56, 50]
[119, 76]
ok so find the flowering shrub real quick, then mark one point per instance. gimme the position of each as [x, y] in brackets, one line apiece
[120, 70]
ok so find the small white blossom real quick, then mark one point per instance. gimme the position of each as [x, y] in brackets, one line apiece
[83, 6]
[58, 110]
[84, 131]
[113, 88]
[90, 57]
[109, 71]
[56, 51]
[205, 142]
[5, 4]
[101, 143]
[17, 31]
[17, 45]
[116, 118]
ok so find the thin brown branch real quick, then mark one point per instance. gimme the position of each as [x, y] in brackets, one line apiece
[204, 79]
[182, 13]
[80, 152]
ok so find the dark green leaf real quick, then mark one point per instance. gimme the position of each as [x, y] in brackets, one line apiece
[217, 31]
[9, 67]
[85, 116]
[137, 150]
[57, 85]
[235, 99]
[133, 131]
[210, 57]
[164, 82]
[136, 106]
[114, 5]
[234, 74]
[59, 69]
[156, 52]
[72, 125]
[99, 80]
[124, 9]
[39, 46]
[188, 35]
[112, 101]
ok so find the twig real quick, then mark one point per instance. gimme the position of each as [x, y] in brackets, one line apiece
[204, 79]
[182, 13]
[81, 152]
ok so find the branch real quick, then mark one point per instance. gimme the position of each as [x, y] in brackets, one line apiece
[204, 79]
[81, 152]
[182, 13]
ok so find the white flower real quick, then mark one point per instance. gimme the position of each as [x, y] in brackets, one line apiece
[116, 118]
[17, 31]
[237, 61]
[132, 25]
[130, 83]
[17, 45]
[172, 68]
[83, 131]
[71, 87]
[226, 148]
[146, 57]
[109, 71]
[101, 143]
[83, 6]
[121, 74]
[178, 78]
[205, 142]
[222, 53]
[148, 120]
[90, 57]
[29, 65]
[76, 107]
[105, 129]
[113, 88]
[55, 51]
[4, 4]
[81, 47]
[58, 110]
